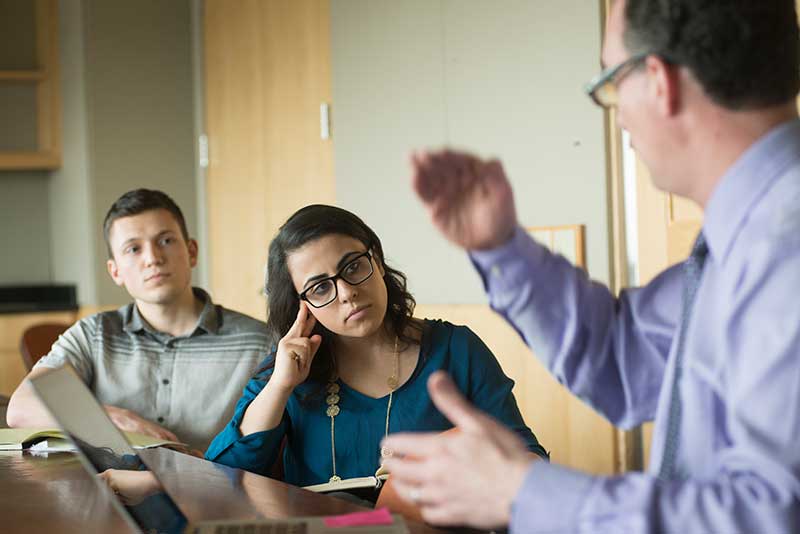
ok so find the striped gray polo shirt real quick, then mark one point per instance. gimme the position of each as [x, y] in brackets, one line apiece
[188, 384]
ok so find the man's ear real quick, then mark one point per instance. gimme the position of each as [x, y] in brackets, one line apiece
[664, 83]
[193, 252]
[113, 272]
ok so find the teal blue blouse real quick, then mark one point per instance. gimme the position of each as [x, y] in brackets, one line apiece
[361, 423]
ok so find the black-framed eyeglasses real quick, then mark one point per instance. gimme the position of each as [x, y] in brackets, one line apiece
[602, 89]
[325, 291]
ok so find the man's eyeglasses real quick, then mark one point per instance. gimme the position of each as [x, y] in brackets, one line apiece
[603, 88]
[325, 291]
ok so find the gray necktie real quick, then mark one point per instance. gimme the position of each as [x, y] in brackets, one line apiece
[693, 270]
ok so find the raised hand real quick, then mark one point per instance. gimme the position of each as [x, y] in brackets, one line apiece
[469, 200]
[296, 351]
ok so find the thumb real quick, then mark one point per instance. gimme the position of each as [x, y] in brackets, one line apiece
[452, 403]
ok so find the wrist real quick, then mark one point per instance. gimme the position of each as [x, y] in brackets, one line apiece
[277, 388]
[114, 412]
[518, 472]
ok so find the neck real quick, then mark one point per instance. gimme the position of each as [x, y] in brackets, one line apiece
[177, 318]
[720, 146]
[363, 351]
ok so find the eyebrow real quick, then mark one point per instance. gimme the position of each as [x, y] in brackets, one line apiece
[342, 262]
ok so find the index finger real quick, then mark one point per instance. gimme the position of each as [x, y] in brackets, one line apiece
[299, 324]
[310, 322]
[418, 445]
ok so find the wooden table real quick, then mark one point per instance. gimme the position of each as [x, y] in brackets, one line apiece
[54, 493]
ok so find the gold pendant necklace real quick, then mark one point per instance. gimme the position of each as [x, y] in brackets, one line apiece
[332, 400]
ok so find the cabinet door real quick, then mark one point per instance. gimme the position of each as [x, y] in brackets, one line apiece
[267, 70]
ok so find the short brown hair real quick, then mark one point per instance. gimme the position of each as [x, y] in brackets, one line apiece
[136, 202]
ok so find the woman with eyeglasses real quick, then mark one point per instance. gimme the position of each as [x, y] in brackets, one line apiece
[351, 363]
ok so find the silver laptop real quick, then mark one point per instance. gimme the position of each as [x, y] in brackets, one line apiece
[102, 446]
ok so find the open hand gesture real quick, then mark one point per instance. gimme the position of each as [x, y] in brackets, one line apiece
[469, 200]
[296, 351]
[469, 477]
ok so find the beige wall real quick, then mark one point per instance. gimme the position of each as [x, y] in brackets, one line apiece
[503, 78]
[73, 219]
[128, 122]
[141, 122]
[24, 228]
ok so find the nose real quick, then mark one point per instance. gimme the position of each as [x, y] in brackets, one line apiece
[153, 255]
[346, 292]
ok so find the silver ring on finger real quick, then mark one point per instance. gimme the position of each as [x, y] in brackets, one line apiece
[414, 495]
[295, 356]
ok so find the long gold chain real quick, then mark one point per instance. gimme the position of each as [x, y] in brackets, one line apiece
[332, 400]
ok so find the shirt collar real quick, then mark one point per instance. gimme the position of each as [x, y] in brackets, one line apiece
[209, 320]
[745, 183]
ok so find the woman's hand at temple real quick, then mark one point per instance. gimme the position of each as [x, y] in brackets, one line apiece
[293, 360]
[296, 351]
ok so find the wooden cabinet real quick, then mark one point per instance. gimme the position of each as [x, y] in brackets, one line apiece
[267, 70]
[30, 101]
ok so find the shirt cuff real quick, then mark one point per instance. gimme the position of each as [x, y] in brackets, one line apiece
[550, 500]
[508, 265]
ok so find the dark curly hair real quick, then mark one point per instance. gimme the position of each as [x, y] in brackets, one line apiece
[308, 224]
[744, 53]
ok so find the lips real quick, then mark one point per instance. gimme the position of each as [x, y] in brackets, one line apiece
[356, 311]
[156, 277]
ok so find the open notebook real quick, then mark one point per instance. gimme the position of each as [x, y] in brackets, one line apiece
[101, 446]
[54, 440]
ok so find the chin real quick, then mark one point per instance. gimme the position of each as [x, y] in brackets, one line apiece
[161, 296]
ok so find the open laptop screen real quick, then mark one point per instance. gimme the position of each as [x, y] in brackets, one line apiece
[102, 446]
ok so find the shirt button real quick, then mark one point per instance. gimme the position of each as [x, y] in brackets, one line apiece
[496, 271]
[165, 381]
[160, 419]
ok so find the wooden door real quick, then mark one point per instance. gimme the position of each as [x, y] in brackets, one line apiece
[267, 71]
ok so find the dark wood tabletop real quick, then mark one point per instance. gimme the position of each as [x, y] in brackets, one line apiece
[53, 493]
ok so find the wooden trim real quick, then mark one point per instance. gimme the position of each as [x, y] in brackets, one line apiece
[628, 444]
[26, 161]
[46, 76]
[22, 75]
[48, 93]
[580, 239]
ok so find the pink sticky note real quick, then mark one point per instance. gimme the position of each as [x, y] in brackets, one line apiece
[381, 516]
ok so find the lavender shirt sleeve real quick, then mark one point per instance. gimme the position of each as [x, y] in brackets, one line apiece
[585, 336]
[744, 466]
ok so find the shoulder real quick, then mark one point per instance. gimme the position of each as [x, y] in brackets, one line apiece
[442, 331]
[239, 321]
[764, 257]
[233, 324]
[110, 322]
[456, 345]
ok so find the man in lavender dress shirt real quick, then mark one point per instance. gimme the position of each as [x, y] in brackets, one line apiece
[707, 90]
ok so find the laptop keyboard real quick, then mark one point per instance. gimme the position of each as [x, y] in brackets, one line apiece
[297, 528]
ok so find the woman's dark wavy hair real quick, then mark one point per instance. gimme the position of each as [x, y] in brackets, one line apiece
[306, 225]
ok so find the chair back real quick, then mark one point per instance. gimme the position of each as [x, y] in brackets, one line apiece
[37, 340]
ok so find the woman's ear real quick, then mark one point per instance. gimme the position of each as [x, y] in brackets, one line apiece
[378, 261]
